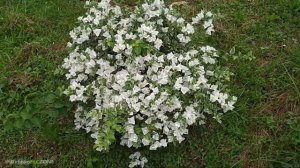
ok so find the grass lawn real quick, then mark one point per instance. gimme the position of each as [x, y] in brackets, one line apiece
[36, 121]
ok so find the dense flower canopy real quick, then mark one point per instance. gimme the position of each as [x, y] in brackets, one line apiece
[141, 75]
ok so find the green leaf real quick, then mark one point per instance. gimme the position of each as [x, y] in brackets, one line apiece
[19, 123]
[8, 125]
[26, 115]
[50, 131]
[27, 124]
[50, 98]
[58, 105]
[117, 127]
[110, 43]
[53, 113]
[137, 50]
[36, 121]
[28, 108]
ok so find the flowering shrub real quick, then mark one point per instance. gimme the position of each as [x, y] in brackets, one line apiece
[143, 74]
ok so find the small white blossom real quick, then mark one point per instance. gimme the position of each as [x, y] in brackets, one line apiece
[131, 120]
[188, 29]
[137, 160]
[97, 32]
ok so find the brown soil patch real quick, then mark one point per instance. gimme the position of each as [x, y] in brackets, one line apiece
[36, 149]
[258, 130]
[59, 47]
[278, 105]
[23, 79]
[264, 61]
[27, 52]
[247, 162]
[244, 157]
[18, 19]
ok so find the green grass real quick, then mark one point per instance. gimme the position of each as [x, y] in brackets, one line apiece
[263, 130]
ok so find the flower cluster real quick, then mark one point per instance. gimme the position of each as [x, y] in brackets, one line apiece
[137, 160]
[140, 74]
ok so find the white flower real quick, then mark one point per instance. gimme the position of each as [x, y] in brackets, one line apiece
[180, 20]
[210, 73]
[188, 29]
[208, 60]
[145, 130]
[170, 56]
[209, 30]
[97, 32]
[198, 18]
[133, 137]
[107, 35]
[158, 43]
[194, 62]
[165, 29]
[145, 142]
[160, 22]
[184, 90]
[208, 26]
[214, 96]
[209, 14]
[138, 77]
[136, 106]
[137, 160]
[183, 39]
[190, 115]
[163, 143]
[130, 36]
[178, 83]
[131, 120]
